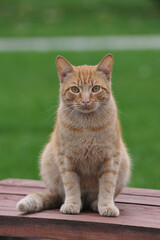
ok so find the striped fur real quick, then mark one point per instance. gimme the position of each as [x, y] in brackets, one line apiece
[85, 162]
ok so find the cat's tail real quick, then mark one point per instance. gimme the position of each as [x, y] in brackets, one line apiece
[36, 202]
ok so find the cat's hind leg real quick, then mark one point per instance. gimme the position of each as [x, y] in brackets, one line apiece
[94, 205]
[38, 201]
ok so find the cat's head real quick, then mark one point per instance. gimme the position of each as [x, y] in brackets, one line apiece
[85, 88]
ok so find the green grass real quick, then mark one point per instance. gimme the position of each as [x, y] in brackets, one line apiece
[29, 98]
[29, 83]
[60, 17]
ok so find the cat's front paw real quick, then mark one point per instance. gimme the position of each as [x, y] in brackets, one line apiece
[108, 211]
[70, 208]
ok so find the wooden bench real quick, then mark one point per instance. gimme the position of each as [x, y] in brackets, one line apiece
[139, 216]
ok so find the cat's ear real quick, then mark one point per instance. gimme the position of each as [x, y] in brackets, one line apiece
[63, 67]
[106, 65]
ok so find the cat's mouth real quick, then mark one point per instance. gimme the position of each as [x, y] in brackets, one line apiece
[86, 109]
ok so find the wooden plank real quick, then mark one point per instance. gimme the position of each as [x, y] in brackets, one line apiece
[141, 192]
[130, 214]
[144, 200]
[40, 184]
[139, 216]
[4, 189]
[22, 183]
[10, 201]
[64, 229]
[125, 210]
[129, 218]
[18, 190]
[7, 200]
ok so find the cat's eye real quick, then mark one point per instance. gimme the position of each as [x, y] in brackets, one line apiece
[75, 89]
[96, 88]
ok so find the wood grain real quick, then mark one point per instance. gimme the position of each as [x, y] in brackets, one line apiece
[139, 216]
[22, 183]
[65, 230]
[40, 184]
[123, 198]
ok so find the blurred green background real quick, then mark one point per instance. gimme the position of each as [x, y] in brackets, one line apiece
[29, 83]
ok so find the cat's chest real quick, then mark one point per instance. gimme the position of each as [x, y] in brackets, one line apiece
[88, 158]
[94, 147]
[88, 150]
[85, 139]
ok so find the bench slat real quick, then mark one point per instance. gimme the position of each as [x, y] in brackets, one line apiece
[129, 216]
[64, 230]
[141, 192]
[126, 218]
[10, 201]
[127, 198]
[139, 216]
[40, 184]
[22, 183]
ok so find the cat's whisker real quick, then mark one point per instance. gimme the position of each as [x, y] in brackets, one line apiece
[119, 111]
[51, 109]
[53, 115]
[71, 113]
[67, 110]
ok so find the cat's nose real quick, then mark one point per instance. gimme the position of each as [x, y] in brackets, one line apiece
[86, 102]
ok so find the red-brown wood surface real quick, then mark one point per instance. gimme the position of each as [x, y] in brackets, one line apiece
[139, 216]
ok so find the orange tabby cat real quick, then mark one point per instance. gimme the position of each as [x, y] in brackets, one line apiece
[85, 162]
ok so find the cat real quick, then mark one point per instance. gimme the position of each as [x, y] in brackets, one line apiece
[85, 163]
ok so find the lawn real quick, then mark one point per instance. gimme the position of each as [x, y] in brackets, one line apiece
[29, 83]
[29, 99]
[61, 17]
